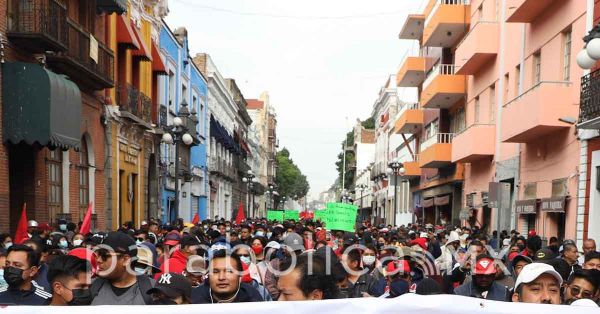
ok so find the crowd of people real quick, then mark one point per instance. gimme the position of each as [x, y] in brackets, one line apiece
[218, 261]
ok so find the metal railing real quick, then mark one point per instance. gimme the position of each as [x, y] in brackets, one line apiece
[440, 138]
[438, 3]
[128, 98]
[438, 69]
[146, 107]
[79, 51]
[47, 18]
[589, 100]
[406, 106]
[163, 116]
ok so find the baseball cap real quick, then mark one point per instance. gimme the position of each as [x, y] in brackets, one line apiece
[506, 242]
[350, 238]
[273, 245]
[86, 254]
[484, 265]
[423, 235]
[44, 227]
[519, 258]
[532, 271]
[544, 255]
[119, 242]
[172, 238]
[32, 223]
[395, 267]
[531, 233]
[172, 285]
[294, 241]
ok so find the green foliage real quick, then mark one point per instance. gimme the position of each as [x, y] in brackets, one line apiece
[369, 124]
[289, 179]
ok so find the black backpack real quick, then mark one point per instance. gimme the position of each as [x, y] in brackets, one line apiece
[144, 283]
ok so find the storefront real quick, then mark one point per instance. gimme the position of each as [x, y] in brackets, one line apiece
[554, 217]
[527, 211]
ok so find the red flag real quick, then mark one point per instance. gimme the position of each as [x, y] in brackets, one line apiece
[86, 226]
[241, 216]
[21, 234]
[196, 219]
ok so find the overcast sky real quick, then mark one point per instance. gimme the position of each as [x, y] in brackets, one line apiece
[320, 60]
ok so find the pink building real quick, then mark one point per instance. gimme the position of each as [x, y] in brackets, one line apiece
[512, 126]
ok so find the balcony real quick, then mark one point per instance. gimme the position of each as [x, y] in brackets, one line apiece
[436, 152]
[476, 142]
[78, 63]
[537, 112]
[589, 102]
[447, 22]
[525, 11]
[134, 105]
[411, 72]
[163, 115]
[442, 87]
[413, 27]
[412, 168]
[477, 48]
[38, 25]
[410, 120]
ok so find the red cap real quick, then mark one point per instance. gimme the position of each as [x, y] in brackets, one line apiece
[484, 266]
[172, 238]
[44, 227]
[532, 233]
[395, 267]
[85, 254]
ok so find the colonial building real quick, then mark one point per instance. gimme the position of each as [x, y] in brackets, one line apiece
[131, 116]
[184, 85]
[57, 61]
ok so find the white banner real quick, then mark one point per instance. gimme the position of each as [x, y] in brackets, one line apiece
[406, 304]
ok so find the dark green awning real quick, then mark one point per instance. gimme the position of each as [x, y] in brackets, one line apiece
[40, 106]
[112, 6]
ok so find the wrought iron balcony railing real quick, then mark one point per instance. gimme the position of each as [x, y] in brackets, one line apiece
[38, 25]
[589, 102]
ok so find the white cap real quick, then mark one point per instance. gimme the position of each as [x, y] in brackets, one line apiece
[32, 223]
[453, 237]
[423, 235]
[585, 303]
[506, 242]
[273, 245]
[532, 271]
[409, 232]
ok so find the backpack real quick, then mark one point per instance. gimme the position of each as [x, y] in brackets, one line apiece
[144, 283]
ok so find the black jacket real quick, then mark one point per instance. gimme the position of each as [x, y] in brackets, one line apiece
[34, 296]
[247, 293]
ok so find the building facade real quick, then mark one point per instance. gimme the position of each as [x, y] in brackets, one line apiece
[53, 130]
[486, 72]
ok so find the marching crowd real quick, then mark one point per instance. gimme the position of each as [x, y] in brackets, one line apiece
[258, 260]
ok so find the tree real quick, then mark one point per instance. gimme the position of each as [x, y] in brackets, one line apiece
[289, 179]
[350, 170]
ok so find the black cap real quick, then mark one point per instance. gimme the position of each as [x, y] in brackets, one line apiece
[544, 255]
[189, 241]
[172, 285]
[520, 257]
[120, 242]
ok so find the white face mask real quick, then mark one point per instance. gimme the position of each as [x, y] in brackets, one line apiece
[140, 270]
[368, 260]
[7, 245]
[259, 233]
[245, 260]
[138, 242]
[77, 242]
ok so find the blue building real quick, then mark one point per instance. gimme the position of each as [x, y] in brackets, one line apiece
[183, 85]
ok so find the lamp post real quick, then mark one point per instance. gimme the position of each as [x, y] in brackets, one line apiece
[586, 58]
[395, 168]
[250, 179]
[178, 133]
[283, 203]
[269, 197]
[361, 187]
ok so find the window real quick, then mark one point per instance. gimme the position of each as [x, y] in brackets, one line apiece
[431, 129]
[172, 83]
[457, 121]
[54, 168]
[184, 95]
[537, 68]
[84, 184]
[567, 55]
[530, 191]
[559, 187]
[518, 89]
[493, 103]
[477, 109]
[506, 88]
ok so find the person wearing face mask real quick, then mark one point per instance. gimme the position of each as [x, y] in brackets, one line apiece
[78, 239]
[70, 279]
[144, 265]
[178, 260]
[258, 244]
[5, 241]
[171, 289]
[369, 258]
[359, 281]
[22, 264]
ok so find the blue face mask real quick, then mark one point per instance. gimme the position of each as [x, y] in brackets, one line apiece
[62, 227]
[2, 281]
[138, 242]
[269, 235]
[63, 244]
[259, 233]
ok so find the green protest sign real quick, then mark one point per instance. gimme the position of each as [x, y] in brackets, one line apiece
[321, 215]
[292, 215]
[341, 216]
[275, 215]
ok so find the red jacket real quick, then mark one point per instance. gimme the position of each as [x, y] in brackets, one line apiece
[177, 263]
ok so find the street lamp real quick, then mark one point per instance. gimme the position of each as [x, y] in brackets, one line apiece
[361, 187]
[587, 57]
[250, 179]
[395, 168]
[178, 133]
[270, 193]
[283, 203]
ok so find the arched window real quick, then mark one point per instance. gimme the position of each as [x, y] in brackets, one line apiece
[84, 182]
[55, 182]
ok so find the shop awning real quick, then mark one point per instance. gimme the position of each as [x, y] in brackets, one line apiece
[553, 204]
[143, 53]
[112, 6]
[441, 200]
[222, 136]
[526, 207]
[427, 203]
[125, 33]
[40, 106]
[158, 65]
